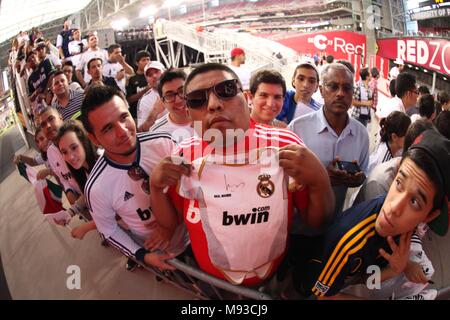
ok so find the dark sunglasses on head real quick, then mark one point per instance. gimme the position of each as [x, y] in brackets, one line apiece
[136, 173]
[224, 90]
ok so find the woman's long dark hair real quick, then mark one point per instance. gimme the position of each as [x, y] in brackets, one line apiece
[396, 122]
[80, 175]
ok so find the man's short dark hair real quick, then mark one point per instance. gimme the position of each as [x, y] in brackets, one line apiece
[423, 90]
[96, 96]
[392, 87]
[92, 60]
[267, 76]
[404, 83]
[347, 64]
[442, 123]
[426, 106]
[169, 75]
[206, 67]
[374, 72]
[414, 130]
[113, 47]
[68, 63]
[142, 54]
[57, 73]
[364, 73]
[443, 97]
[330, 58]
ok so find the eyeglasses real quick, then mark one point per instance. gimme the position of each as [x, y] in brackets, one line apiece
[415, 91]
[224, 90]
[136, 173]
[171, 96]
[334, 87]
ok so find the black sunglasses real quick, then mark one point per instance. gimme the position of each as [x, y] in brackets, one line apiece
[136, 173]
[224, 90]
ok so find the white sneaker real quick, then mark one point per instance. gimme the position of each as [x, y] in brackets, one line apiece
[427, 294]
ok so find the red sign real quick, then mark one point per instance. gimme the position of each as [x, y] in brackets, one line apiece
[431, 54]
[346, 45]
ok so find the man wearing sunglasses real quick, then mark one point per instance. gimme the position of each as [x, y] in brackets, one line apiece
[177, 122]
[332, 135]
[119, 182]
[220, 113]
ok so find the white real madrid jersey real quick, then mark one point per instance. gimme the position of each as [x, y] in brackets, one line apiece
[110, 190]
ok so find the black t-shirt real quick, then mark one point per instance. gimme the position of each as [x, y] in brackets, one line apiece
[136, 84]
[40, 76]
[351, 245]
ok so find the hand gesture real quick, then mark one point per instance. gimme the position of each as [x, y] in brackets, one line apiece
[399, 257]
[158, 260]
[168, 172]
[79, 232]
[414, 273]
[301, 164]
[42, 174]
[61, 218]
[16, 159]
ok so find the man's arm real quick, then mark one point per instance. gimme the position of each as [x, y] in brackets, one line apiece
[303, 165]
[158, 107]
[128, 69]
[134, 97]
[106, 223]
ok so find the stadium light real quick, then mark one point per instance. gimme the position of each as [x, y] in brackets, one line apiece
[148, 11]
[119, 24]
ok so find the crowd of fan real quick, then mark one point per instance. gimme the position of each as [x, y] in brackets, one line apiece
[146, 204]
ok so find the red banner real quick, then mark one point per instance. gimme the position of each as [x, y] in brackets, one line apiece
[341, 44]
[429, 53]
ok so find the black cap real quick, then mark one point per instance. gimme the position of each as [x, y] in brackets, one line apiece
[438, 148]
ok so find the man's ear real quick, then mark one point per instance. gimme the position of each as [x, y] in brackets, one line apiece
[433, 215]
[93, 139]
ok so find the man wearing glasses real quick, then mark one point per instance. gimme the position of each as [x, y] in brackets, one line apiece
[119, 182]
[237, 213]
[332, 135]
[177, 122]
[406, 92]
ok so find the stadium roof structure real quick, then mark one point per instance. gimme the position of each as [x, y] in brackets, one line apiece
[22, 15]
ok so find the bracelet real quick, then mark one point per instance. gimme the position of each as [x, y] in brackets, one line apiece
[140, 254]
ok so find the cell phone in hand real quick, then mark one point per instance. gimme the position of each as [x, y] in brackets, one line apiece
[348, 166]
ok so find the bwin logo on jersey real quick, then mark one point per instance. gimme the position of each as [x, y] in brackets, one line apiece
[127, 196]
[265, 187]
[258, 215]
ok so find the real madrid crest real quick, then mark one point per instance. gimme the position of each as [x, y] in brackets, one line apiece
[265, 187]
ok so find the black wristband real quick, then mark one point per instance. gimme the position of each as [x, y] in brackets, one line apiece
[140, 253]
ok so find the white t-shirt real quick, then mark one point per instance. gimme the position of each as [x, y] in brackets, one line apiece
[145, 106]
[244, 75]
[59, 167]
[110, 191]
[111, 70]
[301, 109]
[394, 104]
[75, 50]
[178, 132]
[394, 73]
[86, 57]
